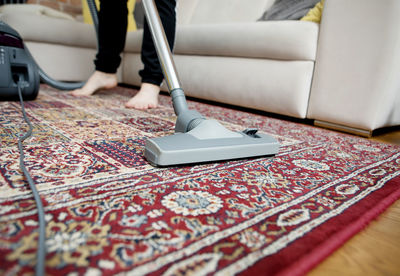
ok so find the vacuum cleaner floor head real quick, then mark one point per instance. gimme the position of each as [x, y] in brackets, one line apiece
[209, 141]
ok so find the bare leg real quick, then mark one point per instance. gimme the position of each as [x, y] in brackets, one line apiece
[98, 80]
[146, 98]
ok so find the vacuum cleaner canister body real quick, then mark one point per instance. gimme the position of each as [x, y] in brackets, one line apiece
[209, 141]
[16, 67]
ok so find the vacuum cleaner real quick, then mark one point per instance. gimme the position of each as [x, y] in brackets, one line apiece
[18, 66]
[196, 139]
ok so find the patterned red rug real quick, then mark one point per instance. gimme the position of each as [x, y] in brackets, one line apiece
[109, 211]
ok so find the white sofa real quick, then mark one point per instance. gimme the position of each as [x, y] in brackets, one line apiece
[342, 73]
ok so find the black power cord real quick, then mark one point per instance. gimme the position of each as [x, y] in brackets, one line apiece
[41, 250]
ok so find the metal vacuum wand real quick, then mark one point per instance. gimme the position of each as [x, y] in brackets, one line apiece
[187, 119]
[161, 43]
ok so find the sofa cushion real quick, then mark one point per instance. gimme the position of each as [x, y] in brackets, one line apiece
[43, 28]
[224, 11]
[315, 14]
[185, 11]
[288, 9]
[283, 40]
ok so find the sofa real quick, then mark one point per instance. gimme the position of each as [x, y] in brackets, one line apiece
[342, 73]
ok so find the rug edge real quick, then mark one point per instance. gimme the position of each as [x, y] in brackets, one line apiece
[323, 251]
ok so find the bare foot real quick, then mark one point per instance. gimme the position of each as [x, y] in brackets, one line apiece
[98, 80]
[146, 98]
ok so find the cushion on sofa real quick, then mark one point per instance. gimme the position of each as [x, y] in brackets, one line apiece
[288, 9]
[286, 40]
[315, 14]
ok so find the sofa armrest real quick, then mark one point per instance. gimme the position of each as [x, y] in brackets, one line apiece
[356, 80]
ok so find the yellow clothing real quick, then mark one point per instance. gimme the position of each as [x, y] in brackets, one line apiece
[315, 13]
[87, 18]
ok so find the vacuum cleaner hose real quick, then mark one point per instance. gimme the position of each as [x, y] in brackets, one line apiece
[59, 84]
[52, 82]
[93, 12]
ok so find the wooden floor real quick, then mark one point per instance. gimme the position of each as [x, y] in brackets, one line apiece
[376, 249]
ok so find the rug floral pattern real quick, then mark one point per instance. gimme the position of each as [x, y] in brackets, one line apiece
[108, 211]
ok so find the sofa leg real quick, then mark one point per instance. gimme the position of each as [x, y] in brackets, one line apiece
[347, 129]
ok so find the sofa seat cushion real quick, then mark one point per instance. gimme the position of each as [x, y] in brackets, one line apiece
[52, 30]
[281, 40]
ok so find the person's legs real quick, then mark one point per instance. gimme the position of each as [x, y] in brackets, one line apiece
[112, 34]
[151, 74]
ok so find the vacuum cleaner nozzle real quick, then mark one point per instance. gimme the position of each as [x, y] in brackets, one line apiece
[209, 141]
